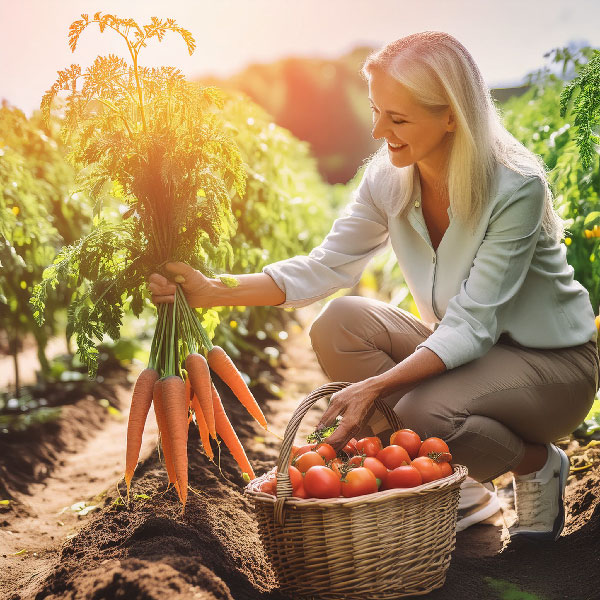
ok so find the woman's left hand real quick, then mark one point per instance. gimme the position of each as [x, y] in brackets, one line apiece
[353, 404]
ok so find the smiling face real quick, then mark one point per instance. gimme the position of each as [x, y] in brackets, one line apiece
[424, 136]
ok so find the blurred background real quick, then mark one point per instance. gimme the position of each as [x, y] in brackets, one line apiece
[298, 60]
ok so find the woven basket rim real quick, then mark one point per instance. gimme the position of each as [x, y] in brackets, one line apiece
[457, 477]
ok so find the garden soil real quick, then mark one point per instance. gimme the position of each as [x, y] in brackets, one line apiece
[151, 551]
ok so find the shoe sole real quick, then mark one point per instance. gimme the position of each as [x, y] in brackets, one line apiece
[559, 522]
[490, 509]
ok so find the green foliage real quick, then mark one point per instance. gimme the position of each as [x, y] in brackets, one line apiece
[537, 120]
[158, 143]
[37, 215]
[286, 210]
[586, 107]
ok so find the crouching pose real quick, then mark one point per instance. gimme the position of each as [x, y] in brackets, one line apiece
[503, 360]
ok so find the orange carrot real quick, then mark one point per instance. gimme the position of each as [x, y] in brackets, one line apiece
[222, 365]
[175, 407]
[141, 400]
[199, 376]
[228, 435]
[189, 394]
[165, 440]
[202, 428]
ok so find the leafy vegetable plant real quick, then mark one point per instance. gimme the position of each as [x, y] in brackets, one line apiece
[158, 143]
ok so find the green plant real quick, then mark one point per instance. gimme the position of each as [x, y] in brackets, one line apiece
[37, 215]
[158, 142]
[537, 119]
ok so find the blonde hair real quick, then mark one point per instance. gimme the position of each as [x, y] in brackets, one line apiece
[440, 73]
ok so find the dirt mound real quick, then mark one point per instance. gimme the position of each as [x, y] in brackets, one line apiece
[74, 412]
[212, 549]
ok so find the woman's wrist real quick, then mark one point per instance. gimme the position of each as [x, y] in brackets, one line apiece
[253, 289]
[379, 384]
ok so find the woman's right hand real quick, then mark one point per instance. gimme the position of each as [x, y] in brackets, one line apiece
[195, 285]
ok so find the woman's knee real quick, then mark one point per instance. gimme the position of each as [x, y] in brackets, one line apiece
[428, 414]
[336, 315]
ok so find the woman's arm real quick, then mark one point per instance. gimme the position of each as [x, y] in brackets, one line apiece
[256, 289]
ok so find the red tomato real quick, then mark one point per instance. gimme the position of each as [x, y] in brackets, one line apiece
[446, 469]
[300, 492]
[430, 470]
[295, 477]
[293, 453]
[357, 482]
[350, 447]
[322, 482]
[443, 457]
[335, 465]
[326, 451]
[268, 487]
[369, 446]
[405, 476]
[408, 439]
[304, 449]
[357, 460]
[377, 468]
[308, 460]
[433, 444]
[393, 456]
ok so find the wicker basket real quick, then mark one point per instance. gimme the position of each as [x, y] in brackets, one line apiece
[381, 546]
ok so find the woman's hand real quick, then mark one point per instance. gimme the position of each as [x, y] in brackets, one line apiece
[353, 403]
[195, 285]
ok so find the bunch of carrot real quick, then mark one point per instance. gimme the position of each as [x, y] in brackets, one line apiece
[180, 394]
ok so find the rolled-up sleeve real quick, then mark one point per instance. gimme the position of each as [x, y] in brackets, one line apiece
[339, 261]
[473, 321]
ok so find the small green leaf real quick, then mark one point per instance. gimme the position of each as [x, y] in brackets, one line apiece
[592, 218]
[229, 281]
[141, 497]
[320, 434]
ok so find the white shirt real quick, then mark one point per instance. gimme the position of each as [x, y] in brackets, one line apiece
[507, 276]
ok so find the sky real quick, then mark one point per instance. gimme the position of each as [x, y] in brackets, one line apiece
[507, 38]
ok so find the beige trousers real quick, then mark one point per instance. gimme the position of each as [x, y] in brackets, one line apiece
[485, 409]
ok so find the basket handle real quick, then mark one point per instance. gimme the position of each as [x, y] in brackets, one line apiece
[284, 485]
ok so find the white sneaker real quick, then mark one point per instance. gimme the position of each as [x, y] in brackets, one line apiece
[478, 503]
[539, 498]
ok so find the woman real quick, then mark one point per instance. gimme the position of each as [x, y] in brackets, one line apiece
[504, 360]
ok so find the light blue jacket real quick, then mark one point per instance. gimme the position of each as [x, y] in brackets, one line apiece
[507, 276]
